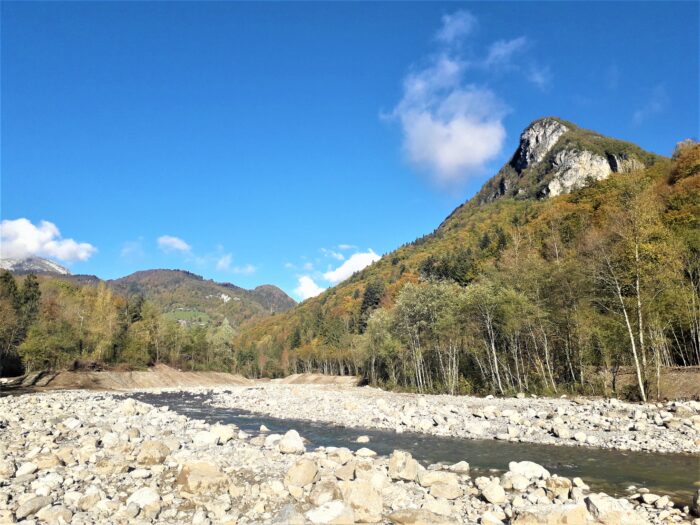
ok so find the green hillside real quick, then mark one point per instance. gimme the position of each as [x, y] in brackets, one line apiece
[516, 292]
[179, 291]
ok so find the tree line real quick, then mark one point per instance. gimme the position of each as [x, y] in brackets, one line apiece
[560, 297]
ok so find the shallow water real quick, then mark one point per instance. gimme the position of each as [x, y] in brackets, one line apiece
[611, 471]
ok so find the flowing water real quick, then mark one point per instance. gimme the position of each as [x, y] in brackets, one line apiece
[611, 471]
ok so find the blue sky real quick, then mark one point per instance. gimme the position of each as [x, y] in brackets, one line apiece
[290, 143]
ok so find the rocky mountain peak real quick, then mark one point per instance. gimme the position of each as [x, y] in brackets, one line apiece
[536, 141]
[555, 157]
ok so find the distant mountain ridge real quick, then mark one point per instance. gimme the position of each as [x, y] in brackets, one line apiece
[174, 291]
[32, 265]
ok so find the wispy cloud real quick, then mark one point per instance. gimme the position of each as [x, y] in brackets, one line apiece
[225, 264]
[656, 103]
[451, 128]
[332, 253]
[347, 247]
[540, 77]
[501, 52]
[456, 26]
[355, 263]
[20, 238]
[132, 249]
[307, 288]
[169, 243]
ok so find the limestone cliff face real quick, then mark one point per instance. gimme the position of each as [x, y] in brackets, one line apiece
[536, 141]
[555, 157]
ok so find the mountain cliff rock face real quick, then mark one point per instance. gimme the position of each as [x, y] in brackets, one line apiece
[555, 157]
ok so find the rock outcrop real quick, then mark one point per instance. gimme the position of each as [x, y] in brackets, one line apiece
[555, 158]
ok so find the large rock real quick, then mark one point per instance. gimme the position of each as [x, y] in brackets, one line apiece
[568, 514]
[225, 433]
[204, 438]
[573, 168]
[426, 478]
[418, 517]
[494, 493]
[403, 466]
[146, 499]
[32, 506]
[301, 474]
[152, 453]
[445, 490]
[334, 512]
[58, 515]
[610, 511]
[695, 506]
[291, 443]
[558, 487]
[528, 469]
[201, 477]
[365, 500]
[324, 491]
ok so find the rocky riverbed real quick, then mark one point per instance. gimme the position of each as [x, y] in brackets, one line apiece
[87, 457]
[664, 427]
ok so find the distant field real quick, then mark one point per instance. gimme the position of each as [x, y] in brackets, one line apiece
[191, 316]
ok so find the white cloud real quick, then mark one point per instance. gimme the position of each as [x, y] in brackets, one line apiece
[308, 266]
[451, 128]
[501, 52]
[347, 247]
[248, 269]
[332, 253]
[20, 238]
[355, 263]
[132, 250]
[657, 103]
[224, 262]
[456, 26]
[540, 77]
[307, 288]
[168, 243]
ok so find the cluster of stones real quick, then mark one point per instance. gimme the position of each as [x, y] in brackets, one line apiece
[660, 427]
[85, 458]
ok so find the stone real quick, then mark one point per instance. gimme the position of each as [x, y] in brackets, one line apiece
[426, 478]
[567, 514]
[610, 511]
[403, 466]
[146, 499]
[438, 505]
[460, 468]
[580, 437]
[561, 432]
[152, 452]
[32, 506]
[291, 443]
[528, 469]
[418, 517]
[362, 439]
[695, 505]
[301, 474]
[558, 487]
[346, 472]
[57, 515]
[365, 452]
[334, 512]
[365, 500]
[445, 490]
[225, 433]
[324, 491]
[494, 493]
[26, 468]
[7, 469]
[204, 438]
[489, 518]
[201, 477]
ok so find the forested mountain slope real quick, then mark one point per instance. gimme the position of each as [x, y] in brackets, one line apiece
[581, 254]
[188, 296]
